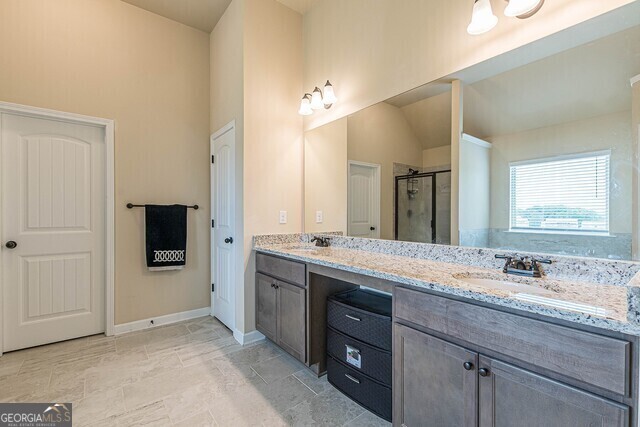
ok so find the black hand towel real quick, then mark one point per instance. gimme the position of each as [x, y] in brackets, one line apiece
[166, 235]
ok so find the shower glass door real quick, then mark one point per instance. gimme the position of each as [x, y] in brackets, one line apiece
[415, 208]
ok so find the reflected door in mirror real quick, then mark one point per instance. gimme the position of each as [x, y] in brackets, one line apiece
[364, 200]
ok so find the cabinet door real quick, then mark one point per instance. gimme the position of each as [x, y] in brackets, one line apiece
[513, 397]
[266, 306]
[432, 386]
[291, 319]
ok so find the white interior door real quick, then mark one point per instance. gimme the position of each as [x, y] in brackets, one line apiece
[53, 230]
[364, 200]
[223, 212]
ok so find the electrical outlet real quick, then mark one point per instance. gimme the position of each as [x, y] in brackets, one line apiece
[319, 217]
[283, 217]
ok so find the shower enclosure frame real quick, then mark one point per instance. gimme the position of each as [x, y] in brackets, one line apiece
[397, 180]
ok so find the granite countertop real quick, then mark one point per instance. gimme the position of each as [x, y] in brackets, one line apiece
[593, 304]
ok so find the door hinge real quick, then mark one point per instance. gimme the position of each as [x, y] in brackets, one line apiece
[213, 287]
[213, 158]
[213, 223]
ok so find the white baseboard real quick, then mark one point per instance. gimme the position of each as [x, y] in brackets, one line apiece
[248, 338]
[139, 325]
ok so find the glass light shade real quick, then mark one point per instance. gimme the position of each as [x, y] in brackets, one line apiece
[316, 99]
[305, 105]
[520, 7]
[329, 96]
[482, 19]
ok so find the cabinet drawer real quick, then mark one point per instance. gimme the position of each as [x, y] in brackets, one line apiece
[290, 271]
[368, 393]
[373, 361]
[592, 359]
[371, 328]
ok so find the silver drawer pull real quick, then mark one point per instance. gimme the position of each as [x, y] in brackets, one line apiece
[352, 318]
[352, 348]
[355, 380]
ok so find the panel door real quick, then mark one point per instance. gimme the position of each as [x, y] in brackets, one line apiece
[266, 306]
[514, 397]
[432, 386]
[363, 209]
[291, 319]
[53, 230]
[223, 211]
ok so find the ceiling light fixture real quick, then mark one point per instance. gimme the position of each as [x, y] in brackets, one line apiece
[317, 101]
[305, 105]
[523, 8]
[483, 19]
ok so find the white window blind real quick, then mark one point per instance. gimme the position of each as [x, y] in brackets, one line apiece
[569, 193]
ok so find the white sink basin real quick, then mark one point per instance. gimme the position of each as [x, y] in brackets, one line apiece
[505, 285]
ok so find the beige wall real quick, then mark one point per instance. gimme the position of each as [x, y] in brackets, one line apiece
[635, 140]
[256, 80]
[325, 177]
[611, 131]
[227, 104]
[109, 59]
[437, 157]
[377, 49]
[273, 146]
[381, 134]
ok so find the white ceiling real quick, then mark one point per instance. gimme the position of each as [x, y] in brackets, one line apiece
[203, 14]
[579, 83]
[587, 81]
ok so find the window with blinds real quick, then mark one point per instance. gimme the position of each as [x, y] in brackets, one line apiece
[569, 193]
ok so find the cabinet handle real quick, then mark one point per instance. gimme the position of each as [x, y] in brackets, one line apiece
[355, 380]
[483, 372]
[467, 366]
[352, 317]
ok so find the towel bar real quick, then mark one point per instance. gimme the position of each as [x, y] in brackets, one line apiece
[131, 206]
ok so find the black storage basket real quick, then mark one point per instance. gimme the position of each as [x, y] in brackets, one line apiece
[371, 327]
[375, 363]
[372, 395]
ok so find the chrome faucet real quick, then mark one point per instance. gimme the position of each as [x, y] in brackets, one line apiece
[523, 266]
[322, 242]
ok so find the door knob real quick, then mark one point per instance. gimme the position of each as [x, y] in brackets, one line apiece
[483, 372]
[11, 244]
[228, 240]
[372, 228]
[467, 366]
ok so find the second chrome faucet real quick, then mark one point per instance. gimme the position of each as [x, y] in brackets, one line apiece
[522, 266]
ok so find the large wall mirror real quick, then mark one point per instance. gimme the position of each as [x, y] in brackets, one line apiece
[535, 150]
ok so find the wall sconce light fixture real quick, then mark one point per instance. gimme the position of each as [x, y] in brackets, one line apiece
[317, 100]
[483, 19]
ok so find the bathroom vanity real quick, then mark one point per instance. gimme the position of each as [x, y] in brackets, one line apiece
[464, 354]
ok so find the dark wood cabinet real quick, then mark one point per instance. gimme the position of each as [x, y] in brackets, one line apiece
[510, 397]
[439, 383]
[281, 314]
[266, 306]
[291, 325]
[435, 382]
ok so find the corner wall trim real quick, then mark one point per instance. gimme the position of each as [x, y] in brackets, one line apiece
[167, 319]
[248, 338]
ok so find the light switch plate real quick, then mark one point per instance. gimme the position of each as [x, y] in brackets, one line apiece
[319, 217]
[283, 217]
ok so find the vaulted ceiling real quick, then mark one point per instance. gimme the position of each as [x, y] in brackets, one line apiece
[203, 14]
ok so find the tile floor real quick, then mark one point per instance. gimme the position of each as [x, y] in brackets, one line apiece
[186, 374]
